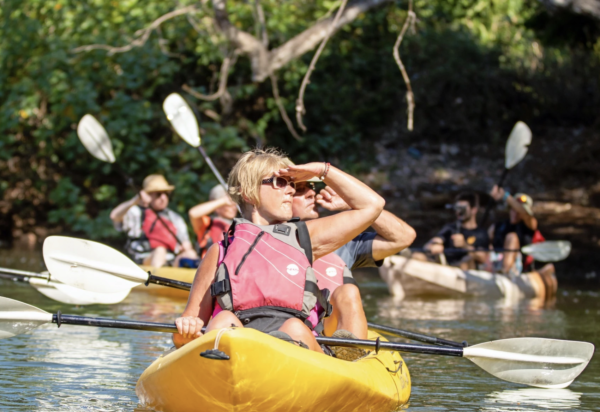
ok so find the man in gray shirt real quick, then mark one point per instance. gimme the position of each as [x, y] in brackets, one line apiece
[156, 234]
[368, 249]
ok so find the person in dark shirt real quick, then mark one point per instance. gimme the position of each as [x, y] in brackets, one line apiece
[517, 231]
[463, 234]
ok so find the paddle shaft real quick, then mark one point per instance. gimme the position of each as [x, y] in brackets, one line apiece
[20, 275]
[60, 319]
[215, 171]
[456, 250]
[404, 333]
[416, 336]
[492, 202]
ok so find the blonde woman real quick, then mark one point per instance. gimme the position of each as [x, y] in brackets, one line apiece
[261, 275]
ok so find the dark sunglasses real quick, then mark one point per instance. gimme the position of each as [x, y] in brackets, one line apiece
[279, 182]
[303, 187]
[159, 194]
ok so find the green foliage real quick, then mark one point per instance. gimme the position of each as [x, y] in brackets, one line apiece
[476, 66]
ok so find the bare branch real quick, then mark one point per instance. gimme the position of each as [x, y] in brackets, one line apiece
[260, 14]
[228, 62]
[300, 109]
[410, 97]
[282, 111]
[245, 42]
[142, 34]
[310, 38]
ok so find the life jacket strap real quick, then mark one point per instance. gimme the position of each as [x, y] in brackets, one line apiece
[220, 288]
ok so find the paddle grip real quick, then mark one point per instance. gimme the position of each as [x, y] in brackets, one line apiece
[61, 319]
[492, 202]
[168, 282]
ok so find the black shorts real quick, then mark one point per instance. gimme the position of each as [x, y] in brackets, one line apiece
[267, 321]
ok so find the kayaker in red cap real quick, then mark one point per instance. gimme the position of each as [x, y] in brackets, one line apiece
[210, 219]
[156, 235]
[261, 274]
[333, 271]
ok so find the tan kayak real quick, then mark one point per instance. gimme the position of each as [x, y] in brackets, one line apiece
[410, 277]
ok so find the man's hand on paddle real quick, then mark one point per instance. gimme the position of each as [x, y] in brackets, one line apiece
[497, 193]
[331, 201]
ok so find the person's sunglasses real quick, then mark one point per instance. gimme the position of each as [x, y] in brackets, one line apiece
[303, 187]
[159, 194]
[279, 182]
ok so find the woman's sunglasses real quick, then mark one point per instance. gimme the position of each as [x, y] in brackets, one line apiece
[279, 182]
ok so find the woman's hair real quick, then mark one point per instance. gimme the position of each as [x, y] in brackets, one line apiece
[246, 176]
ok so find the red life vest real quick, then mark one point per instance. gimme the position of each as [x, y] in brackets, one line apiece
[331, 271]
[160, 232]
[264, 269]
[537, 238]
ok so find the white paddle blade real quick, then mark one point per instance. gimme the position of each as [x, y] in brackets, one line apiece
[544, 363]
[517, 144]
[72, 296]
[550, 251]
[182, 118]
[18, 317]
[91, 266]
[95, 139]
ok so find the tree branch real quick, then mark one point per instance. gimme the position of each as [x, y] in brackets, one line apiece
[282, 111]
[309, 38]
[228, 62]
[142, 35]
[260, 16]
[410, 98]
[300, 109]
[245, 42]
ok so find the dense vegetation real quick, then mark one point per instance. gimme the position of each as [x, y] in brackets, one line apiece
[476, 67]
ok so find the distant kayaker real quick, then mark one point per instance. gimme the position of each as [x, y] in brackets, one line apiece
[261, 274]
[462, 234]
[333, 271]
[156, 235]
[520, 229]
[209, 229]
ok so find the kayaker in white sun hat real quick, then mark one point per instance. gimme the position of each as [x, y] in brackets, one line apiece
[333, 271]
[261, 274]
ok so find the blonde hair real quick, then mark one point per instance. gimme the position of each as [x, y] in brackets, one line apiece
[246, 176]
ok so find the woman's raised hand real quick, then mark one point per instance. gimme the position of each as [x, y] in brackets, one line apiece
[300, 173]
[190, 327]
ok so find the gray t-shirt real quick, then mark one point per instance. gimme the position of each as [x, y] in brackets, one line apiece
[358, 253]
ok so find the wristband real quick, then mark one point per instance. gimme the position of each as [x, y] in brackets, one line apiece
[505, 197]
[325, 170]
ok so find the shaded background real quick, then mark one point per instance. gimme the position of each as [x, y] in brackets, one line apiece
[476, 67]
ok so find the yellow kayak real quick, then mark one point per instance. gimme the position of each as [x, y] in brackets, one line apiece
[267, 374]
[181, 274]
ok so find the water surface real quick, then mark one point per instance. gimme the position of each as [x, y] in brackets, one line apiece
[85, 368]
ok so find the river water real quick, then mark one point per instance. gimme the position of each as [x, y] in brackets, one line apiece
[85, 368]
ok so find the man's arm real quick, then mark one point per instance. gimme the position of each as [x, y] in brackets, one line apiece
[119, 212]
[498, 193]
[393, 235]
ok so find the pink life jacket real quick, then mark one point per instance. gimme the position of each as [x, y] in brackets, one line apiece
[159, 232]
[331, 271]
[264, 269]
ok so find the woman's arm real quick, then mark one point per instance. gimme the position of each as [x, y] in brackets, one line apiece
[200, 304]
[330, 233]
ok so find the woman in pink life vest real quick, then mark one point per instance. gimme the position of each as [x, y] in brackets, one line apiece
[262, 183]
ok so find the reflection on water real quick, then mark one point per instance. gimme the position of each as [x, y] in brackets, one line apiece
[532, 399]
[83, 368]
